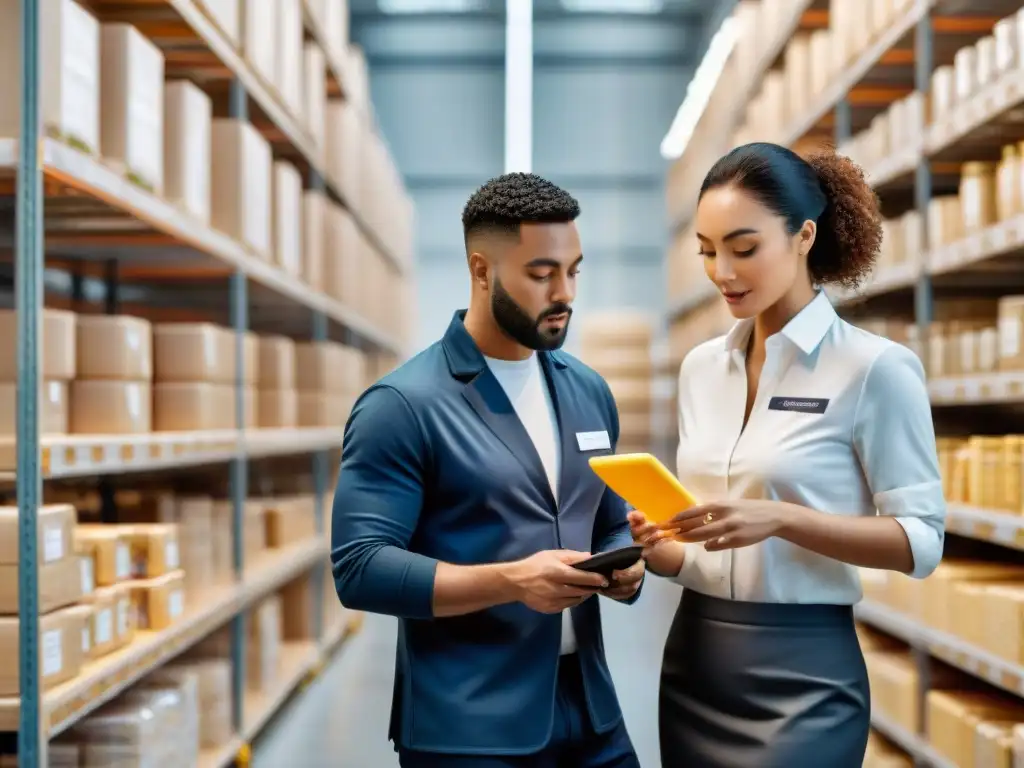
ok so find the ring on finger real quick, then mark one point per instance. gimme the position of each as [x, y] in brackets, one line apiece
[709, 518]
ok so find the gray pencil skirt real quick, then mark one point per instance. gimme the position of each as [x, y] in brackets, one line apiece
[759, 685]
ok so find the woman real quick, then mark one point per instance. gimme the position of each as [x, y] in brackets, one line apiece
[811, 444]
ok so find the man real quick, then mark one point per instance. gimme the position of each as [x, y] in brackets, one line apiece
[465, 497]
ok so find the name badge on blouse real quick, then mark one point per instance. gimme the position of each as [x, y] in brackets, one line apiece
[798, 404]
[593, 441]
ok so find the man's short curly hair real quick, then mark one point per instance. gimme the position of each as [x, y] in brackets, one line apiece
[506, 202]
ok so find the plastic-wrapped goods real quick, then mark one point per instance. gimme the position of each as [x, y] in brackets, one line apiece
[214, 698]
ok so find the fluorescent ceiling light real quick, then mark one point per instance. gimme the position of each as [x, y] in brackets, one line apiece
[698, 92]
[518, 86]
[614, 6]
[429, 6]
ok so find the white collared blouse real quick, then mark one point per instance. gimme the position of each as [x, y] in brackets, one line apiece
[842, 424]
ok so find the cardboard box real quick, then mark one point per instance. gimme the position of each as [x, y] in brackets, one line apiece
[259, 38]
[241, 182]
[277, 408]
[298, 610]
[227, 15]
[193, 352]
[289, 520]
[124, 616]
[60, 651]
[1007, 52]
[188, 115]
[105, 638]
[320, 409]
[277, 364]
[215, 698]
[57, 353]
[288, 218]
[223, 541]
[315, 92]
[327, 366]
[289, 57]
[56, 526]
[70, 72]
[114, 347]
[195, 406]
[154, 549]
[60, 585]
[80, 618]
[109, 549]
[263, 655]
[158, 603]
[111, 408]
[255, 530]
[132, 104]
[344, 148]
[53, 408]
[314, 236]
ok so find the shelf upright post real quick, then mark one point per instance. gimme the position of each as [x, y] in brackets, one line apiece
[923, 55]
[319, 493]
[238, 109]
[844, 122]
[923, 63]
[28, 279]
[111, 306]
[239, 491]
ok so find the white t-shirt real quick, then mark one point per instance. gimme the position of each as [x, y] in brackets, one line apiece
[527, 390]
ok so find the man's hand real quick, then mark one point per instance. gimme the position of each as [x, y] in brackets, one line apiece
[548, 583]
[625, 583]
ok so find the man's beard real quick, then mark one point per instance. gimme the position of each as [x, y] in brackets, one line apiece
[523, 329]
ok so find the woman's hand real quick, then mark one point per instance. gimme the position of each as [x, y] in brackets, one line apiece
[663, 554]
[728, 524]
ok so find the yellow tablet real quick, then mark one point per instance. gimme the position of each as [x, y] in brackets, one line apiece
[645, 483]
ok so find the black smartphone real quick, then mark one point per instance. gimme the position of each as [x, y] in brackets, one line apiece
[615, 560]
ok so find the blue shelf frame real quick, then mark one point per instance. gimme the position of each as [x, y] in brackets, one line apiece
[29, 301]
[32, 740]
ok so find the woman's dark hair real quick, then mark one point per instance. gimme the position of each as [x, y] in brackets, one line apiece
[826, 188]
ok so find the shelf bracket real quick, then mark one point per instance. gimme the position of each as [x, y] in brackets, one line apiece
[239, 492]
[843, 122]
[238, 101]
[923, 298]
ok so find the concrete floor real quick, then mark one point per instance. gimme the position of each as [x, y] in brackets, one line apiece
[341, 720]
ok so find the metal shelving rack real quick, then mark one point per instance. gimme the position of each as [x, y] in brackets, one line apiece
[33, 461]
[29, 261]
[931, 31]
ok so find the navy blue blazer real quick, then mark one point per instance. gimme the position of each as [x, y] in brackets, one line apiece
[437, 466]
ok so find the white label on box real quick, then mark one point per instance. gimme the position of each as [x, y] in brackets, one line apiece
[171, 555]
[104, 627]
[86, 640]
[122, 618]
[123, 565]
[176, 604]
[88, 577]
[53, 658]
[53, 543]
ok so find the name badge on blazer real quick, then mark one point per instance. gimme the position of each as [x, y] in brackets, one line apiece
[798, 404]
[593, 441]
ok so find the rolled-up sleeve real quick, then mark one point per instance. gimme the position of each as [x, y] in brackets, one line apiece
[376, 508]
[895, 440]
